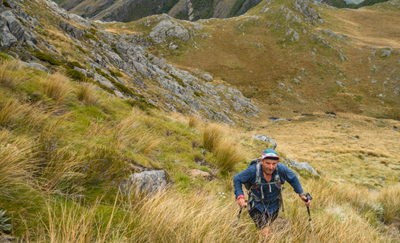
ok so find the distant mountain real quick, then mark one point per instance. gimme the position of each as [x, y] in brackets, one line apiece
[352, 3]
[130, 10]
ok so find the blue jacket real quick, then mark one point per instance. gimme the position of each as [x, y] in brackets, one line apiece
[249, 175]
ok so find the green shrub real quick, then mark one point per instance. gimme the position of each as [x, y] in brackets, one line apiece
[74, 64]
[47, 58]
[81, 49]
[76, 75]
[5, 3]
[90, 36]
[114, 48]
[198, 94]
[116, 74]
[5, 57]
[180, 81]
[141, 104]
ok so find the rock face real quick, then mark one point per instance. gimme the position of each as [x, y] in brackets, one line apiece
[309, 12]
[267, 139]
[12, 30]
[144, 182]
[300, 166]
[169, 28]
[102, 52]
[71, 30]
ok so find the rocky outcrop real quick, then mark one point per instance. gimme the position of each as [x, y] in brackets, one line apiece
[105, 51]
[300, 166]
[34, 65]
[144, 182]
[71, 30]
[311, 15]
[13, 31]
[267, 139]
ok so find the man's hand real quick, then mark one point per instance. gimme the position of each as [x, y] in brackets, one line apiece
[308, 202]
[242, 202]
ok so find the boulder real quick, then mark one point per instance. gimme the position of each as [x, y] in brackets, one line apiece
[267, 139]
[207, 77]
[386, 51]
[204, 174]
[300, 166]
[103, 81]
[169, 28]
[71, 30]
[35, 65]
[144, 182]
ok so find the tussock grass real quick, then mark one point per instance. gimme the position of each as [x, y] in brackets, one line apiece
[62, 172]
[228, 155]
[194, 121]
[86, 94]
[212, 134]
[129, 133]
[57, 87]
[10, 111]
[389, 197]
[16, 163]
[8, 77]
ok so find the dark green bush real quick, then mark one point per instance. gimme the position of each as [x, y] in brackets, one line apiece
[141, 104]
[4, 57]
[74, 64]
[76, 75]
[116, 73]
[90, 36]
[5, 3]
[114, 48]
[198, 94]
[180, 81]
[47, 58]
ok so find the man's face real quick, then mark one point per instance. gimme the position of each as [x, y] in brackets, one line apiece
[269, 165]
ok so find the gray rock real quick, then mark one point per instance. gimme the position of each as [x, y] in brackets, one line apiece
[386, 51]
[7, 39]
[78, 19]
[147, 181]
[309, 12]
[295, 35]
[207, 77]
[35, 66]
[300, 166]
[267, 139]
[71, 30]
[169, 28]
[341, 84]
[103, 81]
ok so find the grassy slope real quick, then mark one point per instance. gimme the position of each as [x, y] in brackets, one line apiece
[58, 139]
[49, 141]
[250, 55]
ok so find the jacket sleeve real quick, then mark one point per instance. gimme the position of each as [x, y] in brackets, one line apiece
[291, 177]
[248, 175]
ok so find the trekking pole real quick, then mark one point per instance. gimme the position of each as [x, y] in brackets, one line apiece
[240, 211]
[309, 198]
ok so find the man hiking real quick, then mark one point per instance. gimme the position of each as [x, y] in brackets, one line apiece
[264, 180]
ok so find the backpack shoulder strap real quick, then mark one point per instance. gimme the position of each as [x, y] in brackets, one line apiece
[258, 177]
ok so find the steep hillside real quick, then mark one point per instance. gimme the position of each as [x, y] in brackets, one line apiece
[85, 106]
[316, 59]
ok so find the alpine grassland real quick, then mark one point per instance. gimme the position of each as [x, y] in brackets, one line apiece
[109, 100]
[64, 154]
